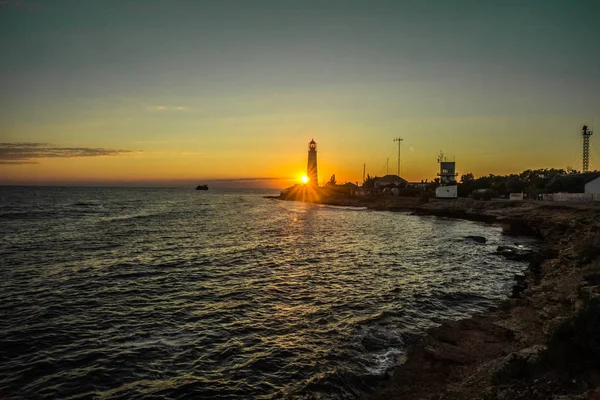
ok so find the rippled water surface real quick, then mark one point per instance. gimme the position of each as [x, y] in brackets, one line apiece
[172, 293]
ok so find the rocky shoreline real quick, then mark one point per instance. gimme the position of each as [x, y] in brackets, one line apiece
[541, 343]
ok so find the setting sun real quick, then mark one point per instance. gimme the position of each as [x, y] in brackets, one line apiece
[304, 179]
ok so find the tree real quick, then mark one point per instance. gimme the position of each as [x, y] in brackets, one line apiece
[332, 181]
[467, 178]
[369, 181]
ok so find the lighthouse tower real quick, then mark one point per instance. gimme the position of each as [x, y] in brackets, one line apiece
[311, 170]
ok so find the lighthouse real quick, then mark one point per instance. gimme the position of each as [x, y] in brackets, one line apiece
[311, 170]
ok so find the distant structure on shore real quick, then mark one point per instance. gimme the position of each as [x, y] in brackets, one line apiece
[447, 172]
[311, 170]
[389, 180]
[586, 133]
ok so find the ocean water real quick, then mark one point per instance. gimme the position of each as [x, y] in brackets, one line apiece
[117, 293]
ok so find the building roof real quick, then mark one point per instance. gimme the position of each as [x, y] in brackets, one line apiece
[390, 178]
[585, 176]
[593, 180]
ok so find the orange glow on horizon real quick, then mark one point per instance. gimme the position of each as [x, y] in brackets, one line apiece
[305, 193]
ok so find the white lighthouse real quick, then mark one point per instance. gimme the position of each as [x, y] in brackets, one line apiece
[311, 170]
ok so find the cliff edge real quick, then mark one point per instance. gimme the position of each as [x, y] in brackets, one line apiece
[542, 343]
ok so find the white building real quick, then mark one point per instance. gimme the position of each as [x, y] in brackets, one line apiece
[447, 192]
[593, 187]
[516, 196]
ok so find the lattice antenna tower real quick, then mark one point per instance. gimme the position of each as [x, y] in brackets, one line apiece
[586, 133]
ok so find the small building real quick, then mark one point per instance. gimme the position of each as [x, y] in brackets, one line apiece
[389, 180]
[446, 192]
[593, 186]
[516, 196]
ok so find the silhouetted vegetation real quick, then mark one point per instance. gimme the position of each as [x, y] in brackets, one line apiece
[370, 181]
[530, 182]
[332, 181]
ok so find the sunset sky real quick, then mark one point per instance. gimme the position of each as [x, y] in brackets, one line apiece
[157, 92]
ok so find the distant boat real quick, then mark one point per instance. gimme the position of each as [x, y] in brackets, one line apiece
[202, 187]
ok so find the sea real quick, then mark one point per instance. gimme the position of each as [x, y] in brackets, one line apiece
[133, 293]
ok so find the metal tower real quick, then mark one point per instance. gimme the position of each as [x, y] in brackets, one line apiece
[399, 140]
[586, 148]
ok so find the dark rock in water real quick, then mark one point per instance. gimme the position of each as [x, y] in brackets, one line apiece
[389, 373]
[518, 289]
[513, 253]
[505, 248]
[202, 187]
[478, 239]
[520, 277]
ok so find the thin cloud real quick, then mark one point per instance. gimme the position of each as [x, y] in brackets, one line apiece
[24, 145]
[167, 108]
[17, 162]
[247, 179]
[24, 152]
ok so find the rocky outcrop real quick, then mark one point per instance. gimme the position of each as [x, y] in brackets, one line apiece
[514, 253]
[476, 239]
[543, 342]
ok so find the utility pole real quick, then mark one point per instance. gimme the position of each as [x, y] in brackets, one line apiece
[586, 148]
[399, 140]
[364, 170]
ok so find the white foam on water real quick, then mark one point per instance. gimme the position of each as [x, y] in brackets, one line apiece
[384, 360]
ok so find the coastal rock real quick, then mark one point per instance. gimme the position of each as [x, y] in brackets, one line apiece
[519, 288]
[505, 368]
[446, 353]
[590, 292]
[513, 253]
[477, 239]
[530, 354]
